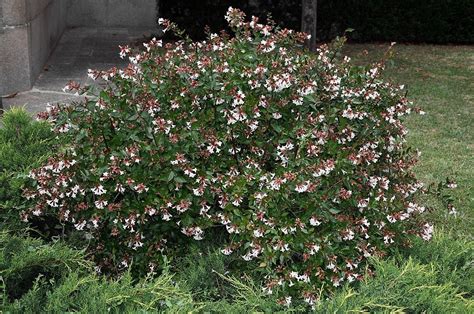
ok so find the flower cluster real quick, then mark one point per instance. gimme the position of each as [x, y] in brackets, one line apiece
[300, 158]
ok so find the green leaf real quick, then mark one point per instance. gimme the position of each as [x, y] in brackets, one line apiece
[180, 179]
[276, 127]
[171, 176]
[133, 117]
[334, 211]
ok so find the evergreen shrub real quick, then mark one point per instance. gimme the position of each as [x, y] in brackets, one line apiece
[24, 143]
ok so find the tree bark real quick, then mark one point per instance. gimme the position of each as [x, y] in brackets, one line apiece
[308, 21]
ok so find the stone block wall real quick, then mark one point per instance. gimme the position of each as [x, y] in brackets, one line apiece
[30, 30]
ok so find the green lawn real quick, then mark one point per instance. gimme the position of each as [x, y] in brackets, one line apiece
[440, 79]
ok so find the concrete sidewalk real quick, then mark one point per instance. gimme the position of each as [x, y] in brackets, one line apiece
[79, 49]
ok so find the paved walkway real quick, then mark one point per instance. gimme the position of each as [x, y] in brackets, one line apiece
[79, 49]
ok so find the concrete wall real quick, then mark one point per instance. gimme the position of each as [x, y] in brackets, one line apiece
[112, 13]
[46, 29]
[30, 31]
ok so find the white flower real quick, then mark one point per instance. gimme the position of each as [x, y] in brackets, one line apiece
[314, 221]
[412, 207]
[427, 232]
[190, 172]
[313, 249]
[140, 188]
[119, 188]
[91, 74]
[348, 113]
[336, 282]
[349, 235]
[247, 257]
[373, 182]
[258, 233]
[198, 233]
[453, 211]
[351, 265]
[276, 115]
[124, 263]
[198, 191]
[237, 201]
[227, 251]
[391, 219]
[232, 229]
[239, 98]
[100, 204]
[276, 184]
[80, 226]
[387, 239]
[301, 188]
[166, 216]
[64, 128]
[95, 223]
[363, 203]
[99, 190]
[452, 185]
[53, 203]
[260, 196]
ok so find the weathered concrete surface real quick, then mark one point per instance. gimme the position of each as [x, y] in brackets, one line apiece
[35, 100]
[29, 33]
[14, 12]
[1, 17]
[47, 25]
[79, 49]
[15, 60]
[115, 13]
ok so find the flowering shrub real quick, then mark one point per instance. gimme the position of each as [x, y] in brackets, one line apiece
[298, 157]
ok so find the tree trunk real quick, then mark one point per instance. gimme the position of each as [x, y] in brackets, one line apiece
[308, 22]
